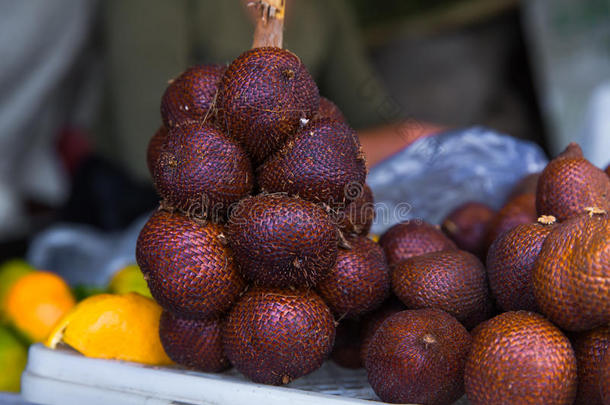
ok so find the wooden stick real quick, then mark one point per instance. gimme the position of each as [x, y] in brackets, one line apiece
[270, 25]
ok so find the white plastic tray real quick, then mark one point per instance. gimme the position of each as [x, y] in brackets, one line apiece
[66, 377]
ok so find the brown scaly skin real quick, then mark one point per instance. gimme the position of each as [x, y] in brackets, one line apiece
[264, 94]
[202, 171]
[451, 280]
[510, 261]
[519, 210]
[372, 321]
[190, 97]
[527, 185]
[604, 381]
[413, 238]
[418, 356]
[189, 270]
[154, 149]
[328, 109]
[571, 277]
[520, 358]
[322, 163]
[282, 241]
[274, 336]
[590, 348]
[358, 282]
[569, 183]
[467, 226]
[193, 343]
[346, 351]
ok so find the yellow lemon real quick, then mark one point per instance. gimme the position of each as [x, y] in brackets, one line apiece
[11, 271]
[129, 279]
[13, 356]
[111, 326]
[35, 302]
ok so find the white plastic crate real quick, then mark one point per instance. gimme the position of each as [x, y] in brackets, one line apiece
[65, 377]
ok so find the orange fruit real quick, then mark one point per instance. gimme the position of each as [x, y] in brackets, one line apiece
[35, 303]
[112, 326]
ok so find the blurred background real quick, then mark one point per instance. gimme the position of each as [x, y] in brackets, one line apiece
[81, 82]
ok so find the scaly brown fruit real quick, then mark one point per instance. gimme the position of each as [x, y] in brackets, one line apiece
[510, 261]
[346, 351]
[412, 238]
[264, 95]
[604, 381]
[328, 109]
[155, 146]
[451, 280]
[467, 226]
[359, 213]
[190, 97]
[282, 241]
[193, 343]
[189, 270]
[418, 356]
[590, 348]
[520, 358]
[571, 277]
[569, 184]
[358, 282]
[519, 210]
[274, 336]
[372, 321]
[202, 171]
[322, 163]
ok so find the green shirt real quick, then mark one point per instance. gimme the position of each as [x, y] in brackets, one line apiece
[149, 42]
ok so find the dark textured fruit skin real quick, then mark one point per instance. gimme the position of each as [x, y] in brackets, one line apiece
[604, 382]
[346, 351]
[321, 163]
[282, 241]
[274, 336]
[451, 280]
[202, 171]
[359, 281]
[155, 146]
[608, 170]
[520, 357]
[264, 94]
[569, 184]
[372, 321]
[571, 278]
[328, 109]
[467, 226]
[527, 185]
[590, 348]
[190, 272]
[413, 238]
[359, 213]
[519, 210]
[417, 356]
[189, 97]
[193, 343]
[510, 261]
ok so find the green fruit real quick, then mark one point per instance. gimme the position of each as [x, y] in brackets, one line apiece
[129, 279]
[11, 271]
[13, 357]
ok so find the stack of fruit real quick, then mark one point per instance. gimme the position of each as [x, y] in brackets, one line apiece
[260, 245]
[260, 240]
[549, 278]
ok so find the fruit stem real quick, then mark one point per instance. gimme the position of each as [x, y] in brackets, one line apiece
[547, 219]
[269, 29]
